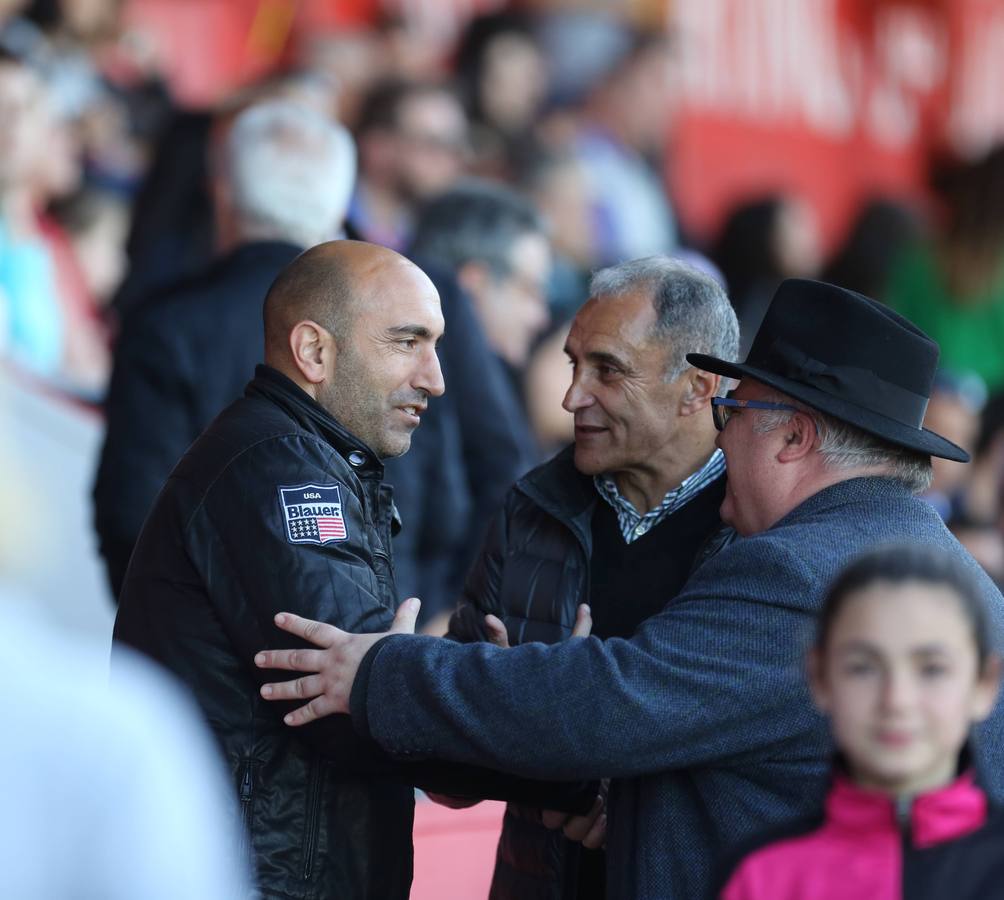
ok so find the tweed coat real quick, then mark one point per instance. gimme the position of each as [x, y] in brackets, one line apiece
[702, 717]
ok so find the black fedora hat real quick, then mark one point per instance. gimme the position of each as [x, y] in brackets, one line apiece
[848, 356]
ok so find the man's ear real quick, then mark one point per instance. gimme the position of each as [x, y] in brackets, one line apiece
[799, 438]
[699, 388]
[313, 350]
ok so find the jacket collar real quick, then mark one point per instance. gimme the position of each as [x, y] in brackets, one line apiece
[869, 488]
[311, 416]
[563, 492]
[932, 818]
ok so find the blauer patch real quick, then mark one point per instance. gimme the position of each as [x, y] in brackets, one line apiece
[313, 513]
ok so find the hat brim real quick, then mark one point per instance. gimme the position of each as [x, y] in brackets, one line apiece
[919, 439]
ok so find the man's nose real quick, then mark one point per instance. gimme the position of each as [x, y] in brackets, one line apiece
[430, 377]
[576, 397]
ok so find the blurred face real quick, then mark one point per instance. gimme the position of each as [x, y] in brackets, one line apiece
[644, 97]
[619, 398]
[900, 681]
[750, 500]
[950, 417]
[383, 377]
[431, 144]
[512, 308]
[21, 103]
[796, 241]
[513, 82]
[563, 199]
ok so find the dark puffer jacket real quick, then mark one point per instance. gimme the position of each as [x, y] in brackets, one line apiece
[220, 554]
[533, 572]
[277, 507]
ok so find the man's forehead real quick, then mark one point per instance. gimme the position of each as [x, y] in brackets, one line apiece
[621, 321]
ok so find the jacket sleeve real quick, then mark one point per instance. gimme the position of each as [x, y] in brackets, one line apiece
[715, 678]
[148, 430]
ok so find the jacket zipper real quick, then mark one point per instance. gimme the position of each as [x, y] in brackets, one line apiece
[904, 808]
[246, 796]
[313, 817]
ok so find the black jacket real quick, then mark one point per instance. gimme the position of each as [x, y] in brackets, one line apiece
[181, 358]
[533, 572]
[277, 507]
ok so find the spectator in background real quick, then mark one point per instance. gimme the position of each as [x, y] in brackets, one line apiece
[53, 329]
[954, 411]
[555, 181]
[881, 231]
[761, 243]
[486, 249]
[413, 144]
[953, 286]
[497, 244]
[620, 144]
[904, 665]
[31, 310]
[173, 234]
[281, 182]
[503, 81]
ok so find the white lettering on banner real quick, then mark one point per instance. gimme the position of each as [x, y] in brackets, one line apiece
[976, 114]
[791, 62]
[773, 60]
[911, 59]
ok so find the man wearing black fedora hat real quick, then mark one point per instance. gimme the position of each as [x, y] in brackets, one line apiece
[701, 717]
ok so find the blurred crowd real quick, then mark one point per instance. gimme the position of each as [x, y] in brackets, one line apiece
[511, 163]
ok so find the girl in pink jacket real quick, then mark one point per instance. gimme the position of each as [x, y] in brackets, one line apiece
[903, 668]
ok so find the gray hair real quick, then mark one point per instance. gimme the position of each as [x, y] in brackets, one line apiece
[291, 171]
[845, 447]
[693, 313]
[475, 221]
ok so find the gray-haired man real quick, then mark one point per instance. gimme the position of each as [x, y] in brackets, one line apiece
[617, 519]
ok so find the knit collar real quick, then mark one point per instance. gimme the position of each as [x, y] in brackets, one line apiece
[931, 818]
[878, 488]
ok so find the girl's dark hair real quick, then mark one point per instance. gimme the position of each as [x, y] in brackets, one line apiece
[899, 563]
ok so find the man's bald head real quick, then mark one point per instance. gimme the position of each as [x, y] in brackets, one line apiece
[355, 326]
[326, 285]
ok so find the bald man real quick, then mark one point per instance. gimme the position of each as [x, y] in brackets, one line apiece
[280, 505]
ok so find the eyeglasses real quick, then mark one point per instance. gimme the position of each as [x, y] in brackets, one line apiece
[722, 408]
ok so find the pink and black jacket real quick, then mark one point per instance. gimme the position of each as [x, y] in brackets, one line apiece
[944, 844]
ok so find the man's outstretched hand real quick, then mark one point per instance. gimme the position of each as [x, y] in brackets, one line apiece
[332, 668]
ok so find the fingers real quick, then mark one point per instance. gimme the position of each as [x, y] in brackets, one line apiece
[298, 689]
[577, 828]
[404, 618]
[597, 835]
[316, 709]
[497, 633]
[291, 660]
[583, 621]
[553, 819]
[319, 633]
